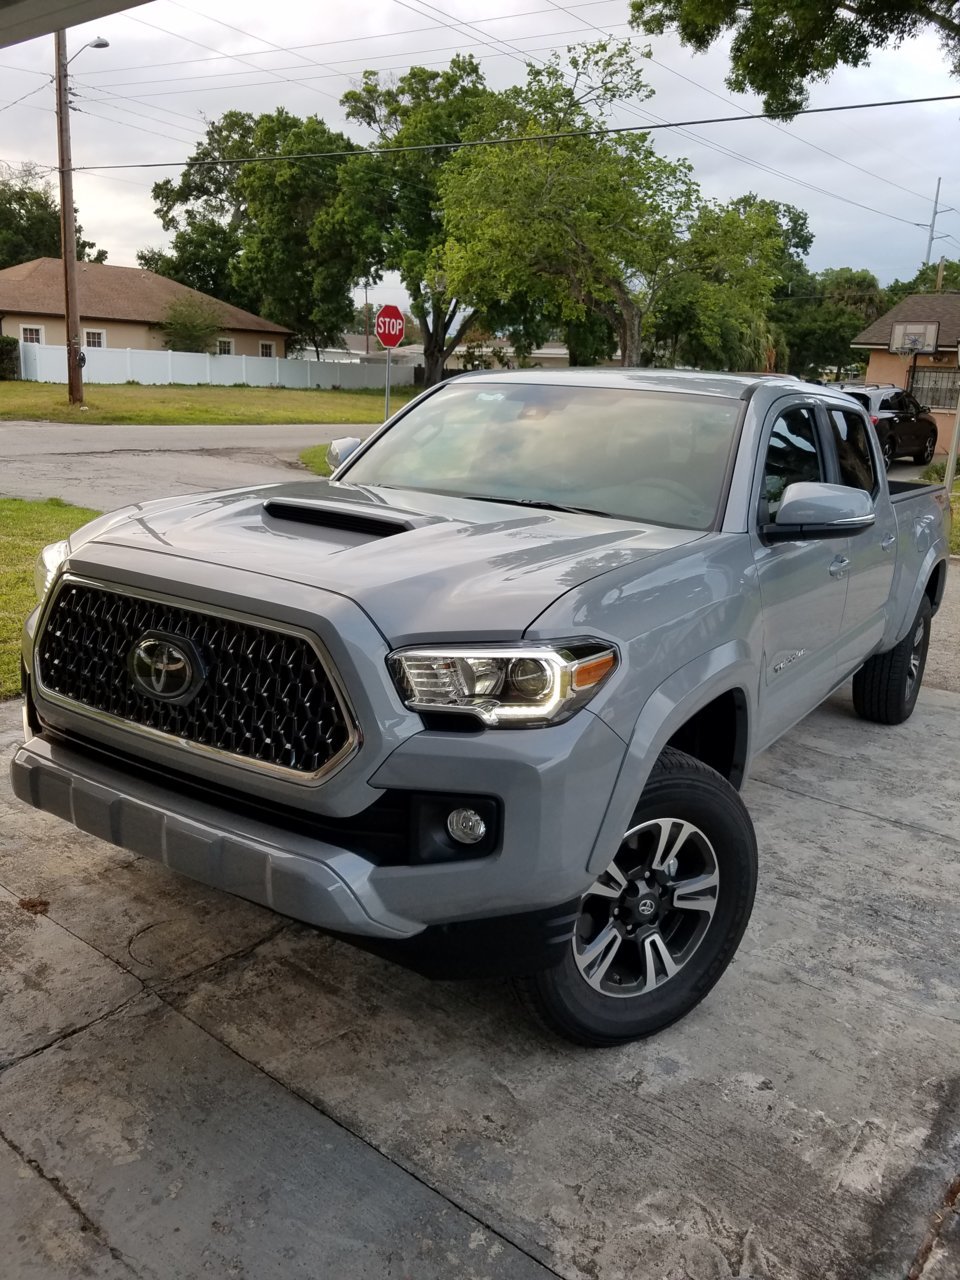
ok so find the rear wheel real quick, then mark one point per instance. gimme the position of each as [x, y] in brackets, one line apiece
[888, 447]
[662, 922]
[887, 686]
[929, 447]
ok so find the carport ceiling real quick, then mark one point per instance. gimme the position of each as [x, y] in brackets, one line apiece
[24, 19]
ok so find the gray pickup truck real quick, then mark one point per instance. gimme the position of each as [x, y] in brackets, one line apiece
[483, 701]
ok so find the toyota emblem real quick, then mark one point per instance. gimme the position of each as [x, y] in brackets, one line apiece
[165, 667]
[646, 907]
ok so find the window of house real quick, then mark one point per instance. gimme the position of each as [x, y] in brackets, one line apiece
[31, 333]
[266, 348]
[853, 451]
[938, 388]
[224, 346]
[94, 338]
[792, 457]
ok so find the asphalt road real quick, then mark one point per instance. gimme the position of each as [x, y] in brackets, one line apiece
[190, 1085]
[110, 466]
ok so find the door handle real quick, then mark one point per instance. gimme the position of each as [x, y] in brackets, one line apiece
[888, 540]
[839, 566]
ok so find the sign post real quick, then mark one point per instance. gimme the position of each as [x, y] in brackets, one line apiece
[389, 328]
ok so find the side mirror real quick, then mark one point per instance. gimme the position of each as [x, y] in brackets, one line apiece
[924, 408]
[809, 511]
[340, 450]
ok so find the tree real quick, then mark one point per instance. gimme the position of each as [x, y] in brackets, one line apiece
[777, 52]
[925, 281]
[389, 213]
[206, 211]
[30, 220]
[822, 314]
[190, 324]
[577, 226]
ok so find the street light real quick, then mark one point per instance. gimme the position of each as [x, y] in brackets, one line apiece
[68, 220]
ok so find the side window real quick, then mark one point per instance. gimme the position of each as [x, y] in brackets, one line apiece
[792, 456]
[910, 405]
[853, 451]
[890, 403]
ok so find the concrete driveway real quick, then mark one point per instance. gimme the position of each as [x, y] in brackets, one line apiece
[194, 1086]
[106, 467]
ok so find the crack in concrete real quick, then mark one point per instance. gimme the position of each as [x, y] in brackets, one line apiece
[87, 1224]
[7, 1063]
[949, 1205]
[409, 1171]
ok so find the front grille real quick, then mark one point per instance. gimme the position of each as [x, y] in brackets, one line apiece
[265, 695]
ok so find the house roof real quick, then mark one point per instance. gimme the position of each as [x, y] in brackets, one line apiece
[111, 293]
[918, 308]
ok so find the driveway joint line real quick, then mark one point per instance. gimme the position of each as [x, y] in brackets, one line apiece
[345, 1128]
[87, 1224]
[8, 1063]
[864, 813]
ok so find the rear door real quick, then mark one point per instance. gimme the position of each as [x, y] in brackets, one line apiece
[802, 584]
[873, 553]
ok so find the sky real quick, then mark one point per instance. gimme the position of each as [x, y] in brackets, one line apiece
[172, 66]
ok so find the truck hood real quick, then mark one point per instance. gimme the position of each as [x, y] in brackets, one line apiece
[419, 564]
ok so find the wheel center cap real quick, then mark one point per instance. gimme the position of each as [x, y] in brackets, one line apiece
[640, 906]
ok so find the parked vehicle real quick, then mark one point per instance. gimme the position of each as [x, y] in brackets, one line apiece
[484, 701]
[904, 427]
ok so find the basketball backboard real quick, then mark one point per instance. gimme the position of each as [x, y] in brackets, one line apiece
[917, 337]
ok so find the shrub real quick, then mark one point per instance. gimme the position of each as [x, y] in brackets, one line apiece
[9, 358]
[190, 325]
[936, 471]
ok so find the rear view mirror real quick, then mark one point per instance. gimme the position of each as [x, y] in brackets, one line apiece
[340, 450]
[815, 510]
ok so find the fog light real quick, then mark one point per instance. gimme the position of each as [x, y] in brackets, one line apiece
[466, 826]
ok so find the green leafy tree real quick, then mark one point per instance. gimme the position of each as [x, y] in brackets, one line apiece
[578, 226]
[302, 281]
[822, 313]
[204, 256]
[778, 51]
[190, 324]
[30, 220]
[389, 215]
[925, 281]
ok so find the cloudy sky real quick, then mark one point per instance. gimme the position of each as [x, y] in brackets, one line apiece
[171, 66]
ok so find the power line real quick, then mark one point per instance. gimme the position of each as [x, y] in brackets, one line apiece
[28, 94]
[467, 144]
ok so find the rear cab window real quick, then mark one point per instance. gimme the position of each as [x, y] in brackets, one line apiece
[857, 465]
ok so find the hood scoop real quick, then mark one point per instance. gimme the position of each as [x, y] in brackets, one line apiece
[335, 516]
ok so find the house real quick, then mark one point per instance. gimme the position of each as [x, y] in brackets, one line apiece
[120, 307]
[916, 345]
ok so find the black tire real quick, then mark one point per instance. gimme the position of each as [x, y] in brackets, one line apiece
[685, 790]
[886, 687]
[929, 449]
[888, 448]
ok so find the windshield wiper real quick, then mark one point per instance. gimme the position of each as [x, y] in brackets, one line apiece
[542, 503]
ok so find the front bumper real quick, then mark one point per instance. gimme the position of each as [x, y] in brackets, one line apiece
[508, 912]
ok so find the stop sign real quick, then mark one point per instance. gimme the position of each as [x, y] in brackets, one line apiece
[389, 325]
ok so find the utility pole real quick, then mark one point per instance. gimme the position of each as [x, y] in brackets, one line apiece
[366, 318]
[68, 226]
[933, 224]
[940, 266]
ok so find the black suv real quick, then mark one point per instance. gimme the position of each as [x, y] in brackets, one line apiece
[904, 426]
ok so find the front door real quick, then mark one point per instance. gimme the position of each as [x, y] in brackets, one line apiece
[873, 553]
[803, 585]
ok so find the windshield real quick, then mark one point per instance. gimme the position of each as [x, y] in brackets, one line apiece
[655, 456]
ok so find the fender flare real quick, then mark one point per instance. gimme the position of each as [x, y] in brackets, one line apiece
[931, 560]
[729, 667]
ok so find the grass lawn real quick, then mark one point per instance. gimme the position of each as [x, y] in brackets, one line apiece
[955, 529]
[25, 527]
[315, 459]
[165, 406]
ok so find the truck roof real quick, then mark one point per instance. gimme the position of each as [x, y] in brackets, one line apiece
[734, 386]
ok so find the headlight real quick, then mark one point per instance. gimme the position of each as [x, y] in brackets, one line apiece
[48, 562]
[522, 685]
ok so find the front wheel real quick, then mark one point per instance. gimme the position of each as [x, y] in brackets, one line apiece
[662, 922]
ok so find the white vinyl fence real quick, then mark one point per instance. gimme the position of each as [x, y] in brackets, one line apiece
[105, 364]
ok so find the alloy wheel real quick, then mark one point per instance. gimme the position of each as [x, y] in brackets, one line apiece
[916, 657]
[648, 912]
[888, 449]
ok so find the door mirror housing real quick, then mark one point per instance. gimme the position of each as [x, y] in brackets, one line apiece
[340, 450]
[809, 511]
